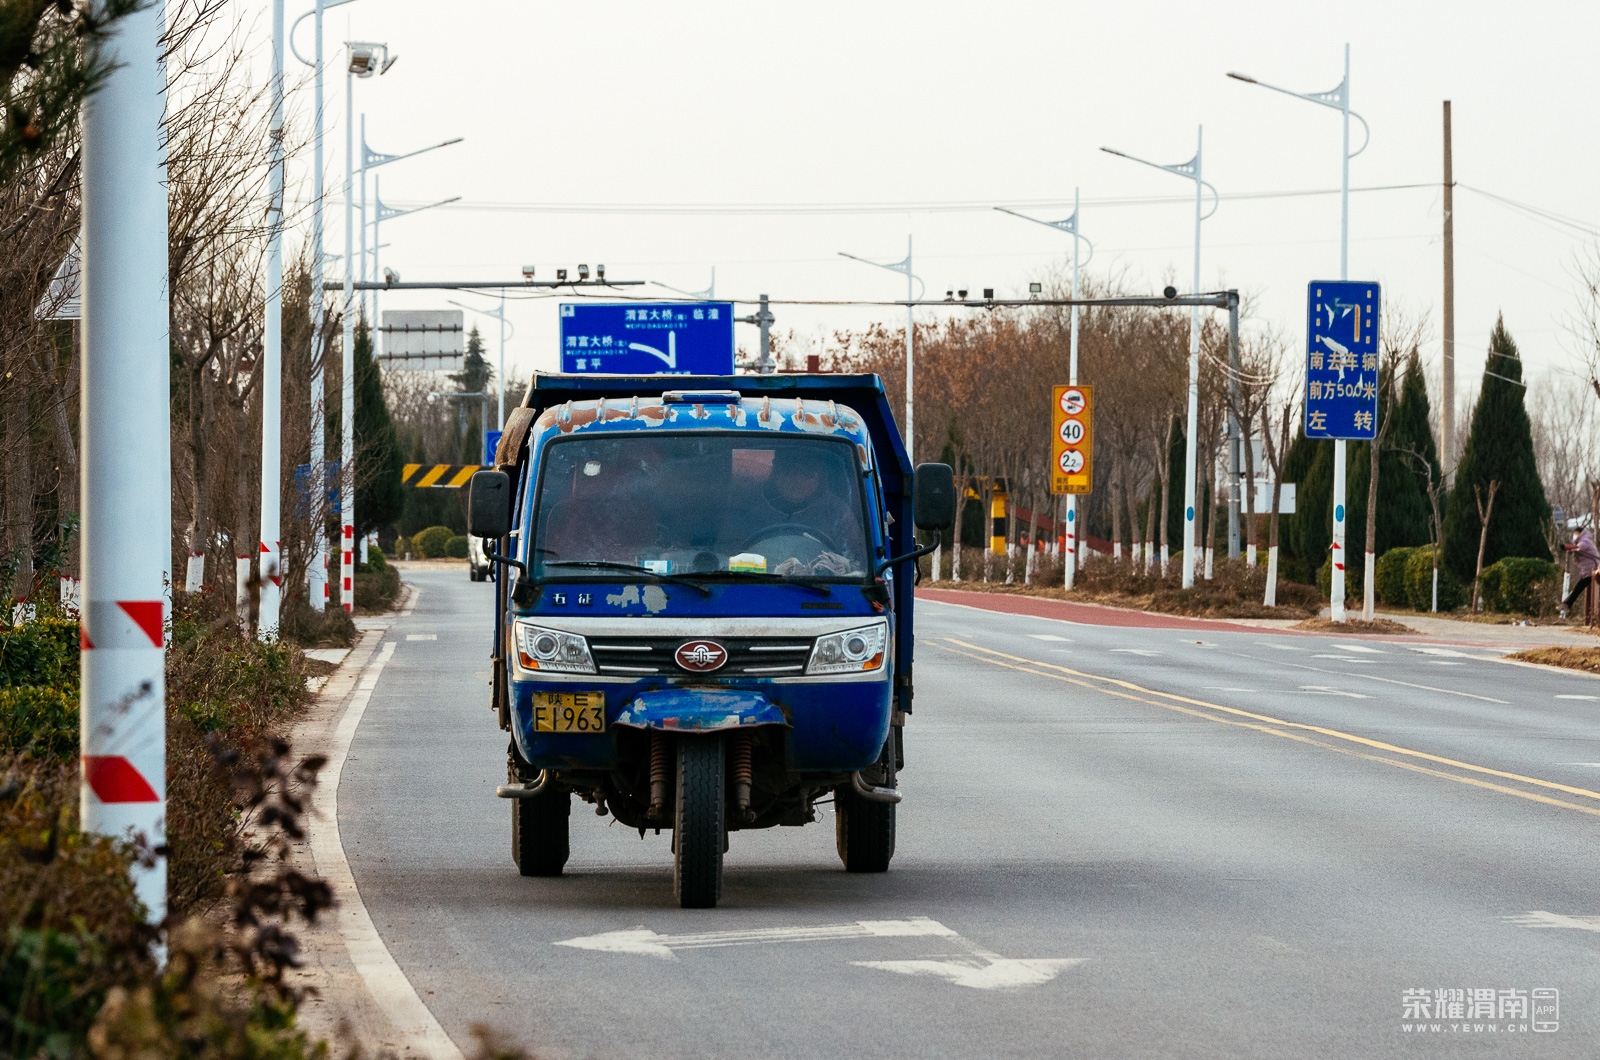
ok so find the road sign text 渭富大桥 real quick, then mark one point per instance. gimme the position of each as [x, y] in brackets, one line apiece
[647, 338]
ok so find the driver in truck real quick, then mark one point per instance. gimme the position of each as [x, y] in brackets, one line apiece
[801, 493]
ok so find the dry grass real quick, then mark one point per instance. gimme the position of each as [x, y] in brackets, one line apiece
[1353, 625]
[1587, 659]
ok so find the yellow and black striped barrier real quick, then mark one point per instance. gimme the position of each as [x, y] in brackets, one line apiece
[438, 476]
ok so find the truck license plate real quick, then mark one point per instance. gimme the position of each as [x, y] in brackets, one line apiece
[569, 712]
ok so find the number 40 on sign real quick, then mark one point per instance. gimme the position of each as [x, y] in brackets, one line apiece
[1072, 440]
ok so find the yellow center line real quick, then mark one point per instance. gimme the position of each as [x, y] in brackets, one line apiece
[1275, 726]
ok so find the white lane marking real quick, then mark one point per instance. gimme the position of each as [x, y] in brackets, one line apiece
[1135, 651]
[1589, 699]
[1538, 918]
[1443, 662]
[1341, 658]
[1385, 680]
[1223, 688]
[1280, 647]
[1357, 648]
[642, 940]
[411, 602]
[980, 969]
[1329, 690]
[1591, 765]
[422, 636]
[414, 1024]
[1051, 636]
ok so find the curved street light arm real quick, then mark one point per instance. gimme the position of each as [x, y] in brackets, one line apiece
[378, 158]
[1216, 200]
[296, 26]
[1366, 131]
[1060, 226]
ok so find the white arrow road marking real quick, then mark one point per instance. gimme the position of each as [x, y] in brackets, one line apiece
[1538, 918]
[642, 940]
[1589, 699]
[1358, 648]
[981, 970]
[1134, 651]
[999, 973]
[1050, 636]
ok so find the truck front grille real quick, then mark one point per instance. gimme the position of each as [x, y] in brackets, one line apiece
[747, 656]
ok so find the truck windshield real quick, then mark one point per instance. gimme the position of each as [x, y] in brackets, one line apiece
[700, 504]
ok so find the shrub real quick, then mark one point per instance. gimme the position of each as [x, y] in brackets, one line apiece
[432, 542]
[43, 652]
[1521, 585]
[39, 722]
[1389, 577]
[375, 560]
[402, 545]
[1419, 583]
[376, 590]
[456, 548]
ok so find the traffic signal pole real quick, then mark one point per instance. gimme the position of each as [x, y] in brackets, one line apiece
[125, 423]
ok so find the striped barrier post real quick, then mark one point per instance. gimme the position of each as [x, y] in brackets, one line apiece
[125, 417]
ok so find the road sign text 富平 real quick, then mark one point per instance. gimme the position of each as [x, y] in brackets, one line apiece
[1342, 359]
[1072, 439]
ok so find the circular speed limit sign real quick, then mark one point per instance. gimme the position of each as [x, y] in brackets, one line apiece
[1071, 461]
[1073, 402]
[1072, 431]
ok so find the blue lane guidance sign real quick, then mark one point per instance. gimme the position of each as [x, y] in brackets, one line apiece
[1342, 359]
[647, 338]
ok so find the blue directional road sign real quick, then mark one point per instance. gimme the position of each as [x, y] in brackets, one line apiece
[1342, 359]
[648, 338]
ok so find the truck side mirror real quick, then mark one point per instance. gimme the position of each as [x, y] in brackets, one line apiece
[934, 493]
[489, 504]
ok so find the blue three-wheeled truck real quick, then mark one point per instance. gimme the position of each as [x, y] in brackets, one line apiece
[703, 609]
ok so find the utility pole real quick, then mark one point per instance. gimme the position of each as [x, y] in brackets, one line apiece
[1447, 388]
[1235, 484]
[347, 373]
[270, 546]
[126, 423]
[317, 575]
[763, 319]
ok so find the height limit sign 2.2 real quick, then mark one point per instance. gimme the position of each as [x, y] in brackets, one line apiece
[1072, 440]
[1342, 359]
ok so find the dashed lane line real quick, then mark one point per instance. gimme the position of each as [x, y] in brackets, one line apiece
[1265, 723]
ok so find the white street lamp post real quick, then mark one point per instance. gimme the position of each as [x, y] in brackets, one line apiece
[364, 62]
[1339, 100]
[371, 159]
[1190, 170]
[382, 213]
[269, 549]
[1069, 226]
[126, 424]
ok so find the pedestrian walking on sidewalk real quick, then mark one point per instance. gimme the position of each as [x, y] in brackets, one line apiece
[1588, 560]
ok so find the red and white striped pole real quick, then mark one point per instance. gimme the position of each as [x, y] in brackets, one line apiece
[125, 417]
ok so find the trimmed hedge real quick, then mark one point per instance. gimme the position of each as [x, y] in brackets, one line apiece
[1521, 585]
[1389, 577]
[433, 542]
[456, 548]
[1419, 583]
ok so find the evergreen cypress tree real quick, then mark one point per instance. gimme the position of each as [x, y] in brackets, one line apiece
[1499, 448]
[378, 492]
[1402, 503]
[1411, 438]
[472, 379]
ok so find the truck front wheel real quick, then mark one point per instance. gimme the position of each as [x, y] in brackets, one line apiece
[699, 825]
[539, 833]
[865, 831]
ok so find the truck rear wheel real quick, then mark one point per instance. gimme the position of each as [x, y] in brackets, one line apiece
[539, 833]
[865, 831]
[699, 825]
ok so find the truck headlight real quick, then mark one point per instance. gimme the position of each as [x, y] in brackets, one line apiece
[852, 651]
[551, 650]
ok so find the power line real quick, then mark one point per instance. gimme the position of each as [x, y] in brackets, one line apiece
[925, 206]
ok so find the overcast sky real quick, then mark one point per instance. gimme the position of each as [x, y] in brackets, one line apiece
[916, 108]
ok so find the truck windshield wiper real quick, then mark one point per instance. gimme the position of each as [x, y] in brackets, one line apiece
[634, 568]
[768, 576]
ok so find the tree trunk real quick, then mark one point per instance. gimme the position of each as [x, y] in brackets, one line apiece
[1369, 592]
[200, 486]
[19, 481]
[1130, 496]
[1165, 465]
[1484, 513]
[66, 452]
[1116, 510]
[1249, 489]
[1150, 509]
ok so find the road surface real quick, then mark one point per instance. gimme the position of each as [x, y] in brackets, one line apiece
[1116, 842]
